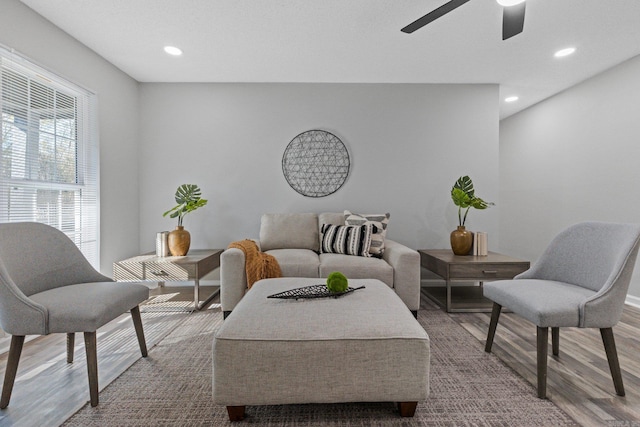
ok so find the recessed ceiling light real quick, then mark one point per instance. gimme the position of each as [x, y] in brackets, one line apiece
[564, 52]
[172, 50]
[507, 3]
[511, 99]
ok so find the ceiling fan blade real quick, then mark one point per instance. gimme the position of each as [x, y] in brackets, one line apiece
[513, 20]
[433, 15]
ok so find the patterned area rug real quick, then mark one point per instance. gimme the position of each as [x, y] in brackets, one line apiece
[468, 388]
[49, 390]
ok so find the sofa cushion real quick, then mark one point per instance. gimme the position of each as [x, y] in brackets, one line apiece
[297, 262]
[356, 267]
[346, 239]
[336, 218]
[289, 231]
[381, 221]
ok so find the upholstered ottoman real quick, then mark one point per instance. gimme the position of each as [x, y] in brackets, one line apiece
[365, 346]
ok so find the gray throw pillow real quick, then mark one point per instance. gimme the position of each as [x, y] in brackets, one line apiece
[381, 221]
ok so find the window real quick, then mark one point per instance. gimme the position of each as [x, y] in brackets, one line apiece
[48, 152]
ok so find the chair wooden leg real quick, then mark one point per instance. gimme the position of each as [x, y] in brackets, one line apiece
[71, 341]
[612, 356]
[543, 344]
[555, 340]
[495, 315]
[12, 368]
[92, 365]
[137, 323]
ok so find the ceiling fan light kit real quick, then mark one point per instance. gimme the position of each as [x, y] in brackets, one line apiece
[512, 16]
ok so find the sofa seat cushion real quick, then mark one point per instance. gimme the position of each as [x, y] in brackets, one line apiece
[356, 267]
[297, 262]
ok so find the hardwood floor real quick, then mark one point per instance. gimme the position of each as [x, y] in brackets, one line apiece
[578, 380]
[48, 390]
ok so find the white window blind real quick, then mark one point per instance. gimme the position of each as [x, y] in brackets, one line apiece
[49, 152]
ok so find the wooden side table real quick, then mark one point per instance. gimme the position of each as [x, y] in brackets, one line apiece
[151, 268]
[467, 268]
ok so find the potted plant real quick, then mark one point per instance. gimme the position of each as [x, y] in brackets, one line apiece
[463, 196]
[188, 199]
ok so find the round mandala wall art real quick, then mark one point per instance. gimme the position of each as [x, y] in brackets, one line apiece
[315, 163]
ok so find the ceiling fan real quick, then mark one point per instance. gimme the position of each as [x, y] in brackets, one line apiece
[512, 17]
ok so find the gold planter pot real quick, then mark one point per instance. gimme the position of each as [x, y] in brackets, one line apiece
[179, 241]
[461, 241]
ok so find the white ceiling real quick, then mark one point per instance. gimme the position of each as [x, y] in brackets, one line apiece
[354, 41]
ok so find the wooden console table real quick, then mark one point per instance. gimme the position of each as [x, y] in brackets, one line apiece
[467, 268]
[151, 268]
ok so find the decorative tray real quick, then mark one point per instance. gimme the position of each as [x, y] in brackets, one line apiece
[313, 291]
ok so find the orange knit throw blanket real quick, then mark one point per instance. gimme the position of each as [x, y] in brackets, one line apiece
[258, 264]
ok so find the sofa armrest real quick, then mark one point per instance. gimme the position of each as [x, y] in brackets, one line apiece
[233, 277]
[406, 272]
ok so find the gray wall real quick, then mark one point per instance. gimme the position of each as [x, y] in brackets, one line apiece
[408, 144]
[571, 158]
[31, 35]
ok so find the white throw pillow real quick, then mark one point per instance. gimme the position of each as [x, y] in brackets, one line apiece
[381, 221]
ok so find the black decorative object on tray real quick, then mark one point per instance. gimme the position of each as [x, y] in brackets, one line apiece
[313, 291]
[315, 163]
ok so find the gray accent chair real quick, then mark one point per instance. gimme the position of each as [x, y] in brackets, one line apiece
[581, 280]
[47, 286]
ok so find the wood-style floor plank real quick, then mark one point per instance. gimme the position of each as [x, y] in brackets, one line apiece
[48, 390]
[578, 380]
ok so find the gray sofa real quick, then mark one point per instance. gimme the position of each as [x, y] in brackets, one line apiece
[294, 240]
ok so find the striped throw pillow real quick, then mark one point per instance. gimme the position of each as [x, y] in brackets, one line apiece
[381, 222]
[346, 239]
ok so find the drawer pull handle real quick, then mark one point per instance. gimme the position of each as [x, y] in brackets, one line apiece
[490, 271]
[160, 273]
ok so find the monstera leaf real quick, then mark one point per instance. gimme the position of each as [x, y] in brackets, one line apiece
[463, 196]
[460, 198]
[465, 184]
[187, 193]
[188, 199]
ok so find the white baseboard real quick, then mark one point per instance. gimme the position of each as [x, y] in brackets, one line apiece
[634, 301]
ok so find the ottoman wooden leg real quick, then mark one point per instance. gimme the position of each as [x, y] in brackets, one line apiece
[407, 409]
[236, 413]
